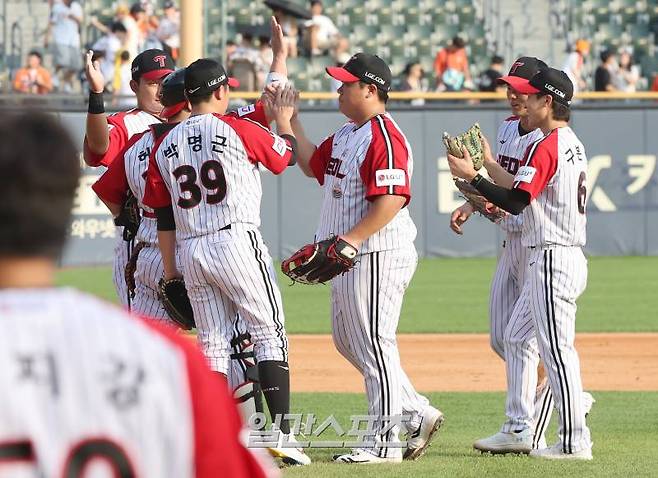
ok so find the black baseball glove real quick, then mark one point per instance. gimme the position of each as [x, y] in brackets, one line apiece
[173, 295]
[321, 261]
[129, 217]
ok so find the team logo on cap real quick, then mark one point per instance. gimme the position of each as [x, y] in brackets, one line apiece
[553, 89]
[161, 60]
[374, 77]
[515, 66]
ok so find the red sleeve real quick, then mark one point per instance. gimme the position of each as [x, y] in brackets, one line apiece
[385, 167]
[218, 450]
[262, 146]
[254, 112]
[321, 157]
[112, 186]
[539, 166]
[118, 137]
[156, 194]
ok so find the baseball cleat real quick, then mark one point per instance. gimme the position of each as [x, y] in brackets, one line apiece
[364, 457]
[555, 452]
[503, 442]
[289, 454]
[419, 440]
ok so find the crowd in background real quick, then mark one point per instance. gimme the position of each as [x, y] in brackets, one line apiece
[141, 26]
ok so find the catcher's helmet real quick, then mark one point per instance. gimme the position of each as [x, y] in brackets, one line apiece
[172, 93]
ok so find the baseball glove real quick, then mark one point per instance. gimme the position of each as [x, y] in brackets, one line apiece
[131, 268]
[129, 217]
[479, 202]
[173, 295]
[471, 139]
[320, 262]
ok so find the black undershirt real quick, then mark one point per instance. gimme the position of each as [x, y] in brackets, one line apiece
[512, 200]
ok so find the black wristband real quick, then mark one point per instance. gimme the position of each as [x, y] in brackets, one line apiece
[96, 103]
[476, 180]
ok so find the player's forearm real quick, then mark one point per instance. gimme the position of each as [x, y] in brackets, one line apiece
[513, 201]
[167, 245]
[97, 135]
[500, 176]
[382, 211]
[279, 65]
[305, 148]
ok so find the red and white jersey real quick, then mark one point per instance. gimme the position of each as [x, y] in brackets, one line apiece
[357, 164]
[207, 167]
[89, 390]
[512, 142]
[554, 172]
[128, 172]
[122, 127]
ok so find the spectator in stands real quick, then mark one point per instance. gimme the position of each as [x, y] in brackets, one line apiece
[451, 66]
[488, 80]
[169, 30]
[321, 34]
[231, 46]
[605, 72]
[33, 78]
[574, 65]
[246, 64]
[290, 30]
[628, 74]
[64, 29]
[110, 44]
[133, 34]
[121, 82]
[413, 80]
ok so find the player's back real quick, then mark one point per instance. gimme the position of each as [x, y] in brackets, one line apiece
[557, 216]
[211, 179]
[83, 382]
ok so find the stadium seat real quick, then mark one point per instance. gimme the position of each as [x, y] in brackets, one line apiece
[390, 32]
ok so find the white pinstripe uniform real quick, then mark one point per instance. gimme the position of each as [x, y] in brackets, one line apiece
[355, 165]
[82, 382]
[128, 173]
[122, 127]
[554, 173]
[207, 167]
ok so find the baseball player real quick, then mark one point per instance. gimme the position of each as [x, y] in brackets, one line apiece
[365, 169]
[551, 187]
[204, 184]
[107, 136]
[86, 388]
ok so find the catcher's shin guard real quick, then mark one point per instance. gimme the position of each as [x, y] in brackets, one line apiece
[248, 393]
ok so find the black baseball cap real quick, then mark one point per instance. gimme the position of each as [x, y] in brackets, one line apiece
[152, 65]
[172, 93]
[522, 70]
[364, 67]
[204, 76]
[552, 82]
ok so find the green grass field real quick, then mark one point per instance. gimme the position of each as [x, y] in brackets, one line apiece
[451, 295]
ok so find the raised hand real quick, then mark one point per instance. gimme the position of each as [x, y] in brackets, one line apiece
[278, 41]
[93, 74]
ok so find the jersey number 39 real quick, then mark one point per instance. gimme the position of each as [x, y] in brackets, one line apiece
[212, 179]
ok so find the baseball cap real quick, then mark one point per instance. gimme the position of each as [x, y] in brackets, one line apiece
[363, 67]
[552, 82]
[521, 71]
[152, 65]
[172, 93]
[204, 76]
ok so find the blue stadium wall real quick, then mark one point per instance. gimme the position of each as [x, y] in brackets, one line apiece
[621, 144]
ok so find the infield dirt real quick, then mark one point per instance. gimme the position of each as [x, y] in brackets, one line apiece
[464, 362]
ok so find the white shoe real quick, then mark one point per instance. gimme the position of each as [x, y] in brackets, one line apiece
[503, 442]
[556, 453]
[419, 440]
[288, 453]
[588, 402]
[363, 457]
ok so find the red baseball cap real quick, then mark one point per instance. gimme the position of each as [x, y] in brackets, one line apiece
[521, 71]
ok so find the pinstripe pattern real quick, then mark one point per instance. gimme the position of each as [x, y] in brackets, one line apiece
[366, 304]
[556, 277]
[227, 273]
[94, 372]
